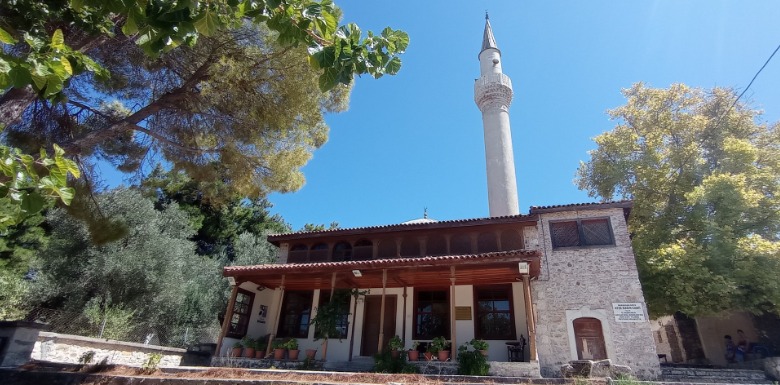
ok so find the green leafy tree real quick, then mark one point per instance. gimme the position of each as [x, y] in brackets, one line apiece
[704, 174]
[152, 274]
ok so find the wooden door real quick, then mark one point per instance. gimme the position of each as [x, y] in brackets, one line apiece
[590, 339]
[372, 311]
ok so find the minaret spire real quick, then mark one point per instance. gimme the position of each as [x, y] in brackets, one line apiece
[493, 95]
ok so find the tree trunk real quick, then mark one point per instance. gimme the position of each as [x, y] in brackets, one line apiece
[13, 103]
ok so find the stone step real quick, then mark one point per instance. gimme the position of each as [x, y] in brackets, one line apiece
[706, 375]
[358, 364]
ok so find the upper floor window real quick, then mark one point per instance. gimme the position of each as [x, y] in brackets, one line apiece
[298, 253]
[342, 252]
[318, 253]
[582, 232]
[363, 250]
[242, 310]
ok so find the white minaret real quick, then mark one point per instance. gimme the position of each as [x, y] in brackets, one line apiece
[493, 94]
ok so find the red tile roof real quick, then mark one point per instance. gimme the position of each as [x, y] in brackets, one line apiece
[582, 206]
[375, 263]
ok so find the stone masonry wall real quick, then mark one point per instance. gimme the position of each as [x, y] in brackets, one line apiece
[65, 348]
[584, 282]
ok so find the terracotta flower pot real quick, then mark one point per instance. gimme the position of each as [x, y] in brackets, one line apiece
[310, 353]
[249, 352]
[236, 352]
[414, 355]
[259, 354]
[484, 353]
[428, 356]
[395, 353]
[279, 354]
[293, 354]
[444, 355]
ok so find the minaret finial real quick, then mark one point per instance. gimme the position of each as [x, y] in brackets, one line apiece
[486, 15]
[425, 212]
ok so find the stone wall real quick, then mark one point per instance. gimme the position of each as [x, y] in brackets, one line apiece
[65, 348]
[585, 282]
[772, 367]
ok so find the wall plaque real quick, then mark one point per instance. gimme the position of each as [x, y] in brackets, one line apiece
[462, 313]
[628, 312]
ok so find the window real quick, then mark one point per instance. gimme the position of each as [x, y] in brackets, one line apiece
[341, 303]
[342, 252]
[584, 232]
[242, 310]
[296, 314]
[431, 314]
[363, 251]
[494, 318]
[318, 253]
[298, 254]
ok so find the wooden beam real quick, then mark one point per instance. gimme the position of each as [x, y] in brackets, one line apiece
[228, 316]
[279, 297]
[529, 317]
[453, 324]
[382, 313]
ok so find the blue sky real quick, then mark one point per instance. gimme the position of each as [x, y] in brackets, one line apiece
[414, 140]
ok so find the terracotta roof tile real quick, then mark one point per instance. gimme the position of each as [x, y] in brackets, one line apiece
[588, 205]
[375, 263]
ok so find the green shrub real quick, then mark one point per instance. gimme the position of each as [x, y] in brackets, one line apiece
[472, 362]
[385, 363]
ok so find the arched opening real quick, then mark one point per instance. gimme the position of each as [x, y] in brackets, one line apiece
[318, 253]
[342, 252]
[387, 249]
[511, 240]
[363, 250]
[460, 244]
[298, 253]
[436, 245]
[410, 248]
[589, 338]
[487, 242]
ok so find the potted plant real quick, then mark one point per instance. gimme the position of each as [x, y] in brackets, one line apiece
[396, 345]
[480, 345]
[236, 352]
[279, 349]
[439, 345]
[414, 354]
[310, 353]
[292, 349]
[249, 347]
[260, 345]
[430, 351]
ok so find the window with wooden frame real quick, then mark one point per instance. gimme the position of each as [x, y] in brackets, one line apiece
[581, 232]
[494, 313]
[296, 314]
[242, 310]
[431, 314]
[342, 300]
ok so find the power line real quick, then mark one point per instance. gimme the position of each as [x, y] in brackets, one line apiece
[749, 84]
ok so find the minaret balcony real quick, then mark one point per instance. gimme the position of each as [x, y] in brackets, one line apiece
[493, 90]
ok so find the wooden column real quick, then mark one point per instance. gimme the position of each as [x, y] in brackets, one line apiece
[382, 313]
[453, 324]
[280, 297]
[529, 317]
[228, 316]
[403, 319]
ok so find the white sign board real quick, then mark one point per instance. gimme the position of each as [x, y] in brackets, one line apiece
[628, 312]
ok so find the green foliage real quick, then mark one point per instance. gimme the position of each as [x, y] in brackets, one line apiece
[21, 242]
[438, 344]
[472, 362]
[28, 183]
[704, 180]
[385, 363]
[152, 274]
[479, 344]
[291, 344]
[311, 227]
[248, 342]
[151, 363]
[395, 343]
[13, 293]
[114, 322]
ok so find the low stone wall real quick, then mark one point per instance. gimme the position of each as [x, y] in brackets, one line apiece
[772, 367]
[263, 363]
[497, 368]
[66, 348]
